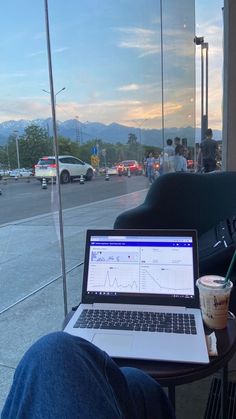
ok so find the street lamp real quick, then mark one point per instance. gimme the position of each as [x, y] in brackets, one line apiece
[77, 136]
[17, 149]
[204, 84]
[63, 88]
[46, 91]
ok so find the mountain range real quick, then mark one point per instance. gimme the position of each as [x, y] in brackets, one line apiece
[113, 133]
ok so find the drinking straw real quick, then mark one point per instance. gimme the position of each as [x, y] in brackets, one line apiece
[230, 267]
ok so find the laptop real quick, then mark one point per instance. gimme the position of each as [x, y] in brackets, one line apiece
[139, 298]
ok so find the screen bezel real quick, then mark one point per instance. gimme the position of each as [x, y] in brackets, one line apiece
[141, 299]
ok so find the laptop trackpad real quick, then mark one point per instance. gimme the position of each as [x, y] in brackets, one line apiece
[113, 343]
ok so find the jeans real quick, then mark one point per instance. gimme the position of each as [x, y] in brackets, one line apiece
[150, 174]
[64, 377]
[209, 165]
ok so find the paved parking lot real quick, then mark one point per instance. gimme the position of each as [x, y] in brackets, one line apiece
[23, 199]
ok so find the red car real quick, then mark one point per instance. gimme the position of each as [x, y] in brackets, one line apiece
[132, 165]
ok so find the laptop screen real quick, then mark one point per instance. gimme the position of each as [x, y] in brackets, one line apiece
[141, 265]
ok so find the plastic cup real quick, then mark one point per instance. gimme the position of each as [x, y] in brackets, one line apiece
[214, 297]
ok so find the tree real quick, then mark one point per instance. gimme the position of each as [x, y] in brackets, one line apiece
[32, 145]
[35, 143]
[4, 157]
[68, 147]
[133, 147]
[132, 139]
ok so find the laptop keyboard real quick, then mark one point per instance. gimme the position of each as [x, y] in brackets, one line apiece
[137, 321]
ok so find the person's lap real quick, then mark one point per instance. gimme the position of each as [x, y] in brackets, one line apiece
[62, 376]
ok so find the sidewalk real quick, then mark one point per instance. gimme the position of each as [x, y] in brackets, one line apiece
[30, 259]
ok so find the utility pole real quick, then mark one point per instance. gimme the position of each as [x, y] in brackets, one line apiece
[17, 150]
[77, 136]
[204, 84]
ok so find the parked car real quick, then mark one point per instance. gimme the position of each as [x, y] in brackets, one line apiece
[134, 167]
[4, 172]
[112, 170]
[70, 168]
[21, 173]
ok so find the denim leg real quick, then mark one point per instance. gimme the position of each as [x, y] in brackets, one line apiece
[149, 398]
[65, 377]
[150, 174]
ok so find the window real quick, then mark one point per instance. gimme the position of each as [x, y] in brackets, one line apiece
[46, 161]
[124, 82]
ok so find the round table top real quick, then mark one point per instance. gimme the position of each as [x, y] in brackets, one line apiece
[173, 373]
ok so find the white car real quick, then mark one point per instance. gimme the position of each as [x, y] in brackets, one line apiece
[70, 168]
[21, 173]
[112, 170]
[4, 172]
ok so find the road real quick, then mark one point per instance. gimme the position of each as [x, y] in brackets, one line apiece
[21, 199]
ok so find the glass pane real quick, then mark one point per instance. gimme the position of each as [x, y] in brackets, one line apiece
[210, 40]
[108, 62]
[178, 94]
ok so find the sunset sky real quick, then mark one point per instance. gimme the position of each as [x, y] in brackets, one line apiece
[107, 55]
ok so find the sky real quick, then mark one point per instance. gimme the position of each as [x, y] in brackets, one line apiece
[107, 55]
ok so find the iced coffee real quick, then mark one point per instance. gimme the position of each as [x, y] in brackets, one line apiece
[214, 296]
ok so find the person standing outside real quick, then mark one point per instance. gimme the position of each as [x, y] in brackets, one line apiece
[169, 152]
[180, 162]
[150, 162]
[209, 152]
[177, 141]
[169, 149]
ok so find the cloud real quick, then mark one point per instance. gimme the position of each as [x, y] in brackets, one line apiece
[143, 40]
[129, 87]
[59, 50]
[120, 111]
[25, 108]
[123, 110]
[148, 42]
[40, 35]
[152, 110]
[44, 52]
[12, 75]
[37, 53]
[38, 107]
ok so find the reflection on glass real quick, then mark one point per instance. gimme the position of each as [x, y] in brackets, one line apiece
[178, 61]
[128, 68]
